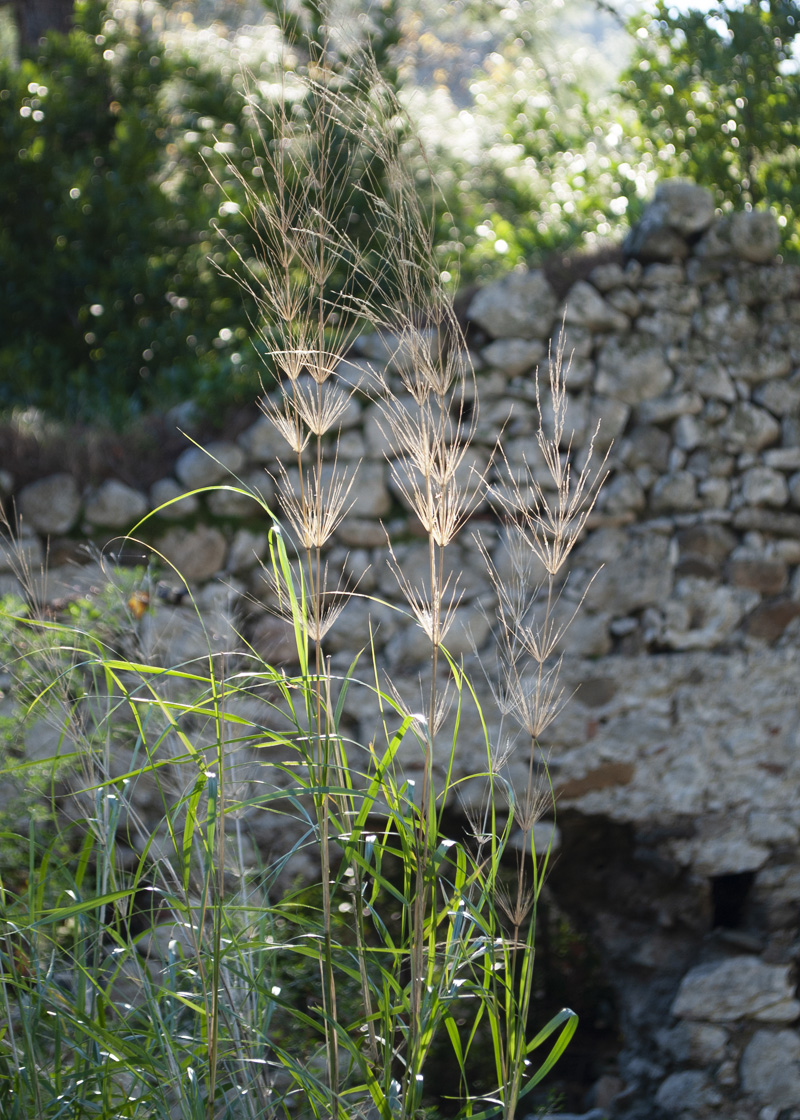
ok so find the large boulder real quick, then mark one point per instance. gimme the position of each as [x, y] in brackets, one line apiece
[755, 236]
[50, 505]
[679, 211]
[737, 988]
[521, 305]
[114, 505]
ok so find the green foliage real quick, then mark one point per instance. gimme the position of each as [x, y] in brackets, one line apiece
[565, 169]
[718, 98]
[184, 982]
[534, 151]
[125, 151]
[109, 302]
[126, 157]
[29, 651]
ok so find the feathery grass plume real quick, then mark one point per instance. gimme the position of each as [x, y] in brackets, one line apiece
[552, 527]
[546, 515]
[305, 275]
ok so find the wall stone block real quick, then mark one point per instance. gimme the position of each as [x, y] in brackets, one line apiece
[50, 505]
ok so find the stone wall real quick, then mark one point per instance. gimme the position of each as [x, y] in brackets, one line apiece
[678, 755]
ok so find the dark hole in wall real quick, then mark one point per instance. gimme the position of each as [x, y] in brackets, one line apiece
[729, 898]
[568, 972]
[643, 915]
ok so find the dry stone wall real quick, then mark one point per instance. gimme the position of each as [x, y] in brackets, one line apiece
[682, 735]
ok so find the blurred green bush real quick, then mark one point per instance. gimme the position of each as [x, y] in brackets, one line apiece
[111, 298]
[717, 96]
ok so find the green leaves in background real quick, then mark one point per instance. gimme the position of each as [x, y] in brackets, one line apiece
[109, 303]
[718, 98]
[113, 294]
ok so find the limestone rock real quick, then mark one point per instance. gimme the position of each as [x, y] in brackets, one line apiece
[360, 532]
[749, 427]
[680, 209]
[363, 621]
[608, 417]
[769, 620]
[273, 639]
[742, 987]
[403, 475]
[669, 292]
[232, 503]
[197, 553]
[469, 630]
[513, 355]
[726, 325]
[355, 373]
[173, 636]
[662, 410]
[521, 305]
[646, 447]
[199, 467]
[762, 486]
[247, 549]
[764, 285]
[665, 326]
[577, 341]
[624, 494]
[168, 490]
[782, 458]
[674, 492]
[684, 1093]
[695, 1042]
[114, 505]
[636, 573]
[687, 432]
[756, 365]
[782, 398]
[703, 549]
[585, 307]
[51, 504]
[589, 635]
[399, 350]
[763, 574]
[770, 1068]
[658, 276]
[262, 442]
[713, 381]
[728, 854]
[22, 553]
[514, 560]
[700, 615]
[413, 561]
[579, 373]
[754, 235]
[777, 522]
[714, 493]
[367, 495]
[633, 370]
[608, 277]
[624, 300]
